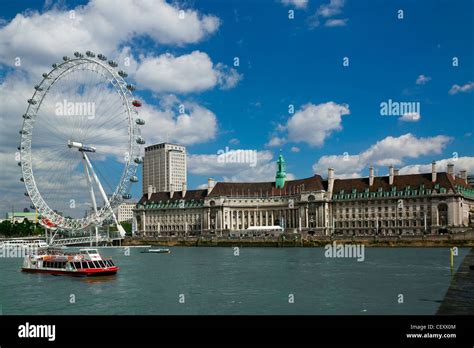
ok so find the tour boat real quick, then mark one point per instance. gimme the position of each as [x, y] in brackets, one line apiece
[157, 251]
[24, 243]
[86, 262]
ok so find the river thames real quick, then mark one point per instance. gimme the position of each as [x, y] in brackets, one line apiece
[258, 281]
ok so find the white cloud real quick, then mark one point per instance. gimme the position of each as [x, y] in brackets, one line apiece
[312, 124]
[295, 149]
[334, 7]
[276, 141]
[101, 25]
[336, 22]
[296, 3]
[326, 12]
[388, 151]
[460, 163]
[208, 165]
[165, 123]
[464, 88]
[422, 79]
[410, 117]
[192, 72]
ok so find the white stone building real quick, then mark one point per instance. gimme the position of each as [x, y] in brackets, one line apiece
[164, 168]
[435, 202]
[125, 212]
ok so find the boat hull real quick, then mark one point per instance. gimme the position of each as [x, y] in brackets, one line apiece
[80, 273]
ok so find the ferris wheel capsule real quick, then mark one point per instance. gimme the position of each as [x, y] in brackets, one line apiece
[65, 58]
[138, 160]
[26, 116]
[127, 196]
[136, 103]
[54, 65]
[113, 64]
[38, 88]
[131, 87]
[122, 73]
[140, 121]
[101, 56]
[140, 140]
[46, 76]
[90, 54]
[134, 179]
[78, 55]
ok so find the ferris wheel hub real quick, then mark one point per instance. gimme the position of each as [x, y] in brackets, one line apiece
[80, 146]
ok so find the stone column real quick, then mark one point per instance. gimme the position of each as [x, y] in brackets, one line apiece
[306, 216]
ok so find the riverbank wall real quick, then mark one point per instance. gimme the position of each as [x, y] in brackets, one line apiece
[296, 241]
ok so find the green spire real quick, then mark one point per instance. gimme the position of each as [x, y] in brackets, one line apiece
[280, 174]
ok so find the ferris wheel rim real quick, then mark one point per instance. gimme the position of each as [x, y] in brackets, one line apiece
[133, 149]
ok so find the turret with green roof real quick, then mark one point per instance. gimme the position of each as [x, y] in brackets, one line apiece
[280, 174]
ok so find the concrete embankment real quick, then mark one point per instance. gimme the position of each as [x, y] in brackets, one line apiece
[459, 298]
[370, 242]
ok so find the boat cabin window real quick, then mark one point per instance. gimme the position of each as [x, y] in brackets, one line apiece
[90, 251]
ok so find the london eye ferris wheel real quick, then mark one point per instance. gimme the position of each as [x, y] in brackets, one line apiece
[80, 143]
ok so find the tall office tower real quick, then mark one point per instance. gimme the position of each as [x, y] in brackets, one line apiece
[164, 168]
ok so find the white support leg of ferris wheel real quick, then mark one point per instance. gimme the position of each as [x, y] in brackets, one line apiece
[91, 190]
[104, 196]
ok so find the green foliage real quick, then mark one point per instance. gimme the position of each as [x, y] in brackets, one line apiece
[20, 229]
[127, 226]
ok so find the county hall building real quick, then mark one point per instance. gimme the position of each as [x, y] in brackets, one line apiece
[394, 204]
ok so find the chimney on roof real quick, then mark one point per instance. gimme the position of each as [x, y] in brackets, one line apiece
[210, 185]
[371, 175]
[390, 175]
[150, 191]
[451, 170]
[183, 190]
[463, 175]
[433, 171]
[330, 181]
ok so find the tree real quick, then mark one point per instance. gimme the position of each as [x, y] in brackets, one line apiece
[127, 226]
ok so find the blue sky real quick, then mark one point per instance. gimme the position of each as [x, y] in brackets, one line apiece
[337, 120]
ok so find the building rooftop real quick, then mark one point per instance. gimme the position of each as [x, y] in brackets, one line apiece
[401, 182]
[263, 189]
[315, 183]
[177, 196]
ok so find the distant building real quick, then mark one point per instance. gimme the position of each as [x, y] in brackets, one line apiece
[125, 212]
[20, 216]
[164, 168]
[384, 205]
